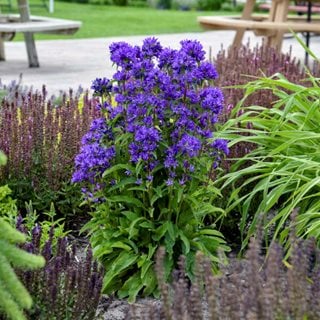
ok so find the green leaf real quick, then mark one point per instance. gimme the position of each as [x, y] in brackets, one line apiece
[150, 282]
[185, 241]
[126, 199]
[124, 261]
[132, 230]
[161, 231]
[121, 245]
[131, 288]
[117, 167]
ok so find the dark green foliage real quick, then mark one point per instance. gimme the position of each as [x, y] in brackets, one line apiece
[121, 3]
[8, 208]
[41, 139]
[68, 287]
[209, 4]
[164, 4]
[257, 287]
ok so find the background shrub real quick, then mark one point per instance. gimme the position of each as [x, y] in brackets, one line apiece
[41, 140]
[238, 66]
[208, 5]
[121, 3]
[184, 4]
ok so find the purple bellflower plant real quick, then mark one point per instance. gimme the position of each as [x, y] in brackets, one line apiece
[147, 163]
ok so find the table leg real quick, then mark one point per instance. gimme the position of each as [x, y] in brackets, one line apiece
[246, 15]
[306, 60]
[28, 36]
[31, 50]
[279, 14]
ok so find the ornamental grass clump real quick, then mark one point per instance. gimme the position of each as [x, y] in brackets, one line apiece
[147, 164]
[282, 172]
[69, 286]
[238, 66]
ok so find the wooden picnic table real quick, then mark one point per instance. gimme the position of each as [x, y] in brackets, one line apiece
[271, 26]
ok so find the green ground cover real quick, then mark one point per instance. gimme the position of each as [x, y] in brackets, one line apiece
[109, 21]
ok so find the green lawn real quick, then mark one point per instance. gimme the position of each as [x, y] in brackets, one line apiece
[107, 21]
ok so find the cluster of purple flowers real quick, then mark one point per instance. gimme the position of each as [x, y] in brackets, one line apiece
[165, 102]
[94, 156]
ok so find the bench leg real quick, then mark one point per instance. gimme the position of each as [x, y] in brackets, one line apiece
[237, 41]
[278, 13]
[2, 53]
[246, 14]
[31, 50]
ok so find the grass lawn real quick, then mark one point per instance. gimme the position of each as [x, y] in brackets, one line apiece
[107, 21]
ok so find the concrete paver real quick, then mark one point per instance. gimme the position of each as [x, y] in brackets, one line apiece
[67, 64]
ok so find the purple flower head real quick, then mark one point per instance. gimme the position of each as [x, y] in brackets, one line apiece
[145, 143]
[171, 157]
[164, 115]
[94, 158]
[181, 64]
[101, 86]
[221, 145]
[98, 131]
[193, 49]
[207, 71]
[169, 182]
[92, 161]
[212, 99]
[123, 54]
[167, 57]
[151, 47]
[189, 145]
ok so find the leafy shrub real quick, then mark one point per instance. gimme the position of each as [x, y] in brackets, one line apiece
[238, 66]
[209, 4]
[41, 140]
[257, 287]
[282, 171]
[159, 4]
[138, 3]
[68, 287]
[120, 2]
[147, 163]
[184, 4]
[8, 208]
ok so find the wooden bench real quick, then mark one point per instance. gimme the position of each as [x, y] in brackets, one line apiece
[272, 26]
[28, 25]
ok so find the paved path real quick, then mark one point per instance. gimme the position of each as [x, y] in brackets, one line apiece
[67, 64]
